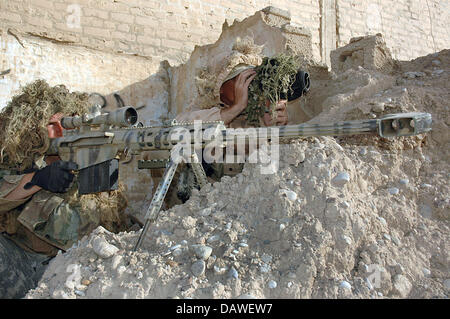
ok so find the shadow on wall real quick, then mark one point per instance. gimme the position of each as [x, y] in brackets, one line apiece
[151, 100]
[149, 97]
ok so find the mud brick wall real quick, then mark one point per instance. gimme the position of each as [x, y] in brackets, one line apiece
[170, 29]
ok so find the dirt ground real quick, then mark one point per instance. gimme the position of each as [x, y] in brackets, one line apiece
[347, 217]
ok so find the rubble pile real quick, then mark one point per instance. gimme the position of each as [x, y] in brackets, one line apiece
[349, 217]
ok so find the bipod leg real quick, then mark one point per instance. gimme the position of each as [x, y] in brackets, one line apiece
[157, 200]
[198, 170]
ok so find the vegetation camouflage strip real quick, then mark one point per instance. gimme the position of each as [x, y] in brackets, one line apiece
[23, 134]
[273, 81]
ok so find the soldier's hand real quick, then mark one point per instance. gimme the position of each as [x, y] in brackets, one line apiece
[282, 115]
[241, 88]
[56, 178]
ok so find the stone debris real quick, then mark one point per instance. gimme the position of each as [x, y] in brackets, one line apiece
[202, 252]
[341, 179]
[345, 285]
[102, 248]
[272, 284]
[355, 217]
[198, 268]
[393, 190]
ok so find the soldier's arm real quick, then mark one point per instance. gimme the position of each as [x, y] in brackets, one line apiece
[19, 192]
[211, 114]
[10, 194]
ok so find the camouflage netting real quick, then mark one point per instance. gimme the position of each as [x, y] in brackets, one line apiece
[24, 140]
[110, 207]
[272, 83]
[210, 79]
[23, 122]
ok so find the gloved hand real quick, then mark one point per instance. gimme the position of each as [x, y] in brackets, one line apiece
[56, 177]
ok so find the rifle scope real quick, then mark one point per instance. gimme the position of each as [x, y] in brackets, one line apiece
[126, 116]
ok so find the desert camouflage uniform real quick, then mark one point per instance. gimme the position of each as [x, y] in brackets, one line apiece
[32, 230]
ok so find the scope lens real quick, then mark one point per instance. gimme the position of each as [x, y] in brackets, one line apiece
[131, 116]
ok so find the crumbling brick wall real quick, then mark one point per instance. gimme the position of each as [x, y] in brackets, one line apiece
[169, 29]
[411, 28]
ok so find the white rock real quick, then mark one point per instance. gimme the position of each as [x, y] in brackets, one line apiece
[264, 268]
[393, 190]
[102, 248]
[266, 258]
[213, 239]
[426, 272]
[378, 107]
[347, 239]
[272, 284]
[345, 204]
[382, 220]
[292, 196]
[401, 285]
[368, 283]
[206, 211]
[175, 247]
[233, 273]
[396, 241]
[177, 252]
[345, 285]
[404, 181]
[282, 227]
[447, 284]
[219, 270]
[116, 260]
[121, 270]
[341, 179]
[202, 251]
[198, 268]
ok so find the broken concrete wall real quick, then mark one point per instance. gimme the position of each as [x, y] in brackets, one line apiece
[411, 28]
[368, 52]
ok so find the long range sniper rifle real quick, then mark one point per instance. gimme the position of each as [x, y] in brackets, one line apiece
[94, 141]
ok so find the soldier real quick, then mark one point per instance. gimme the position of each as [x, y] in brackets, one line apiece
[227, 102]
[40, 211]
[233, 98]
